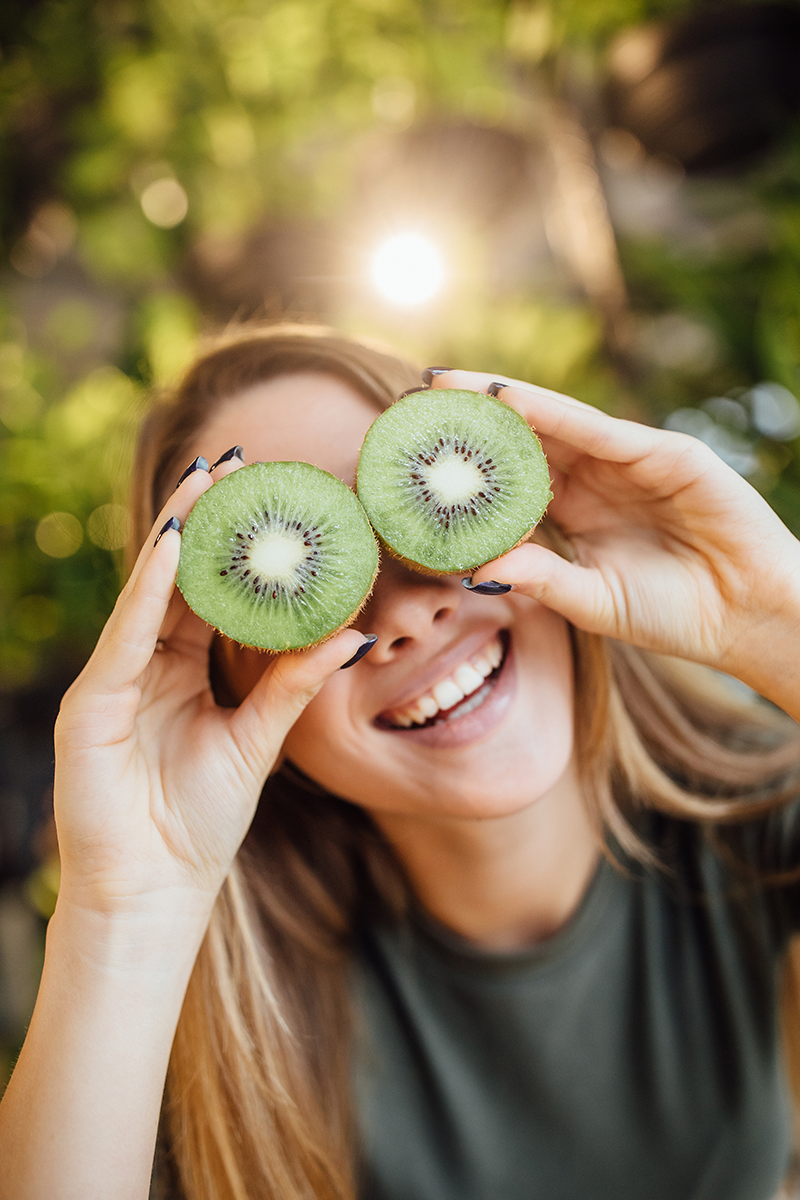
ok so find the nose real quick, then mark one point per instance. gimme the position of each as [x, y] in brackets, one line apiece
[407, 609]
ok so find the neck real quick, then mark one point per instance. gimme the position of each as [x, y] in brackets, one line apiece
[506, 882]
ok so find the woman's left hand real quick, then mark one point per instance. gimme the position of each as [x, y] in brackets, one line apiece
[674, 551]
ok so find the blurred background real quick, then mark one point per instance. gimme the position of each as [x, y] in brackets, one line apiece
[602, 196]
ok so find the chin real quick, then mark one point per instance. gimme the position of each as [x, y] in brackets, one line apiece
[475, 782]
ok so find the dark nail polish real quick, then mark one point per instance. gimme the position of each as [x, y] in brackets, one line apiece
[490, 588]
[172, 523]
[370, 640]
[199, 464]
[411, 391]
[494, 388]
[429, 372]
[234, 452]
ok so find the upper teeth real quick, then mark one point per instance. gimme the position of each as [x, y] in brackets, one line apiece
[465, 680]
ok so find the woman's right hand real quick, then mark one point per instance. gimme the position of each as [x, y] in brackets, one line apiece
[155, 784]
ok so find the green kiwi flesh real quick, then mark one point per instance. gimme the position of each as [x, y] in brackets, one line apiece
[278, 555]
[452, 479]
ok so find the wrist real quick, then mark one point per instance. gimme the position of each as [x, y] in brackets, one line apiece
[765, 654]
[157, 935]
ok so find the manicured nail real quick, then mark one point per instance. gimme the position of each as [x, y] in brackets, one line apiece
[490, 588]
[172, 523]
[199, 464]
[429, 372]
[234, 452]
[494, 388]
[411, 391]
[369, 641]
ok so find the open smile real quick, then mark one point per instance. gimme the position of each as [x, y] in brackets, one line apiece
[455, 696]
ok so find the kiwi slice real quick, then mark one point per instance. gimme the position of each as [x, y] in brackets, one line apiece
[277, 555]
[452, 479]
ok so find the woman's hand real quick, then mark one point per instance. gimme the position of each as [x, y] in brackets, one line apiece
[674, 551]
[155, 784]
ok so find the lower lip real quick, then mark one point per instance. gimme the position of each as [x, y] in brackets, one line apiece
[459, 731]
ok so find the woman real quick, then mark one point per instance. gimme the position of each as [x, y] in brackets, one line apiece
[412, 970]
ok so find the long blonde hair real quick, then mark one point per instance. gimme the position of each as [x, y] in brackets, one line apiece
[257, 1102]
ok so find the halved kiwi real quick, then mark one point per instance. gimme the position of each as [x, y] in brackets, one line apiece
[277, 555]
[452, 479]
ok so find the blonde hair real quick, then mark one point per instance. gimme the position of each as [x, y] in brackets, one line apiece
[257, 1101]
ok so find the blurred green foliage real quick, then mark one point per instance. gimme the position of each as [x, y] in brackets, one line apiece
[138, 137]
[147, 145]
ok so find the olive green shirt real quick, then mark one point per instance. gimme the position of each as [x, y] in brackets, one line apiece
[633, 1056]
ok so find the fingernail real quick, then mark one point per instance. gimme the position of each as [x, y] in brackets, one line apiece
[411, 391]
[172, 523]
[429, 372]
[369, 641]
[490, 588]
[199, 464]
[234, 452]
[494, 388]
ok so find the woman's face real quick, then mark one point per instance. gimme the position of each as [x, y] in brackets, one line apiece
[494, 673]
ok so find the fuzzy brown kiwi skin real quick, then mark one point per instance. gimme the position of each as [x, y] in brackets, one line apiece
[320, 641]
[421, 569]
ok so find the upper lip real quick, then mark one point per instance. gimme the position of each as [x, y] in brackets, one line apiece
[440, 668]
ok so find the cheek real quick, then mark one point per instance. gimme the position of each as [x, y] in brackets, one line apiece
[547, 678]
[546, 685]
[323, 733]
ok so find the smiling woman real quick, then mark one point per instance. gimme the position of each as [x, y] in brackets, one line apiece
[497, 912]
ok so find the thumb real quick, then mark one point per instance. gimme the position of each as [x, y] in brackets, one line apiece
[578, 593]
[262, 721]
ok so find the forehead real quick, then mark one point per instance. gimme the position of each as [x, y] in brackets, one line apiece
[307, 417]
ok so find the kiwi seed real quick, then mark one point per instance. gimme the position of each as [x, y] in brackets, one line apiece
[452, 479]
[277, 555]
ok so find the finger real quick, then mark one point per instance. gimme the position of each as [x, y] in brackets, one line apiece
[129, 639]
[480, 381]
[194, 481]
[578, 593]
[264, 718]
[575, 424]
[231, 460]
[559, 454]
[179, 505]
[181, 629]
[582, 427]
[178, 626]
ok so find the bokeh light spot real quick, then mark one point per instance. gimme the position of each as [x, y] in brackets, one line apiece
[164, 203]
[109, 526]
[408, 269]
[776, 412]
[59, 534]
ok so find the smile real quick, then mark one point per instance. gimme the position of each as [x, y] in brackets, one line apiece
[454, 696]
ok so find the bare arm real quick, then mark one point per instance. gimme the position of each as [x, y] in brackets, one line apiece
[80, 1116]
[155, 788]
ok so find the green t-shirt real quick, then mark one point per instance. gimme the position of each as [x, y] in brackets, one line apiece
[633, 1056]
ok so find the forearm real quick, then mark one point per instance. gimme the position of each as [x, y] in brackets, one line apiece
[80, 1115]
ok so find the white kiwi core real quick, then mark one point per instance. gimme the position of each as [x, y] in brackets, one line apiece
[276, 556]
[453, 479]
